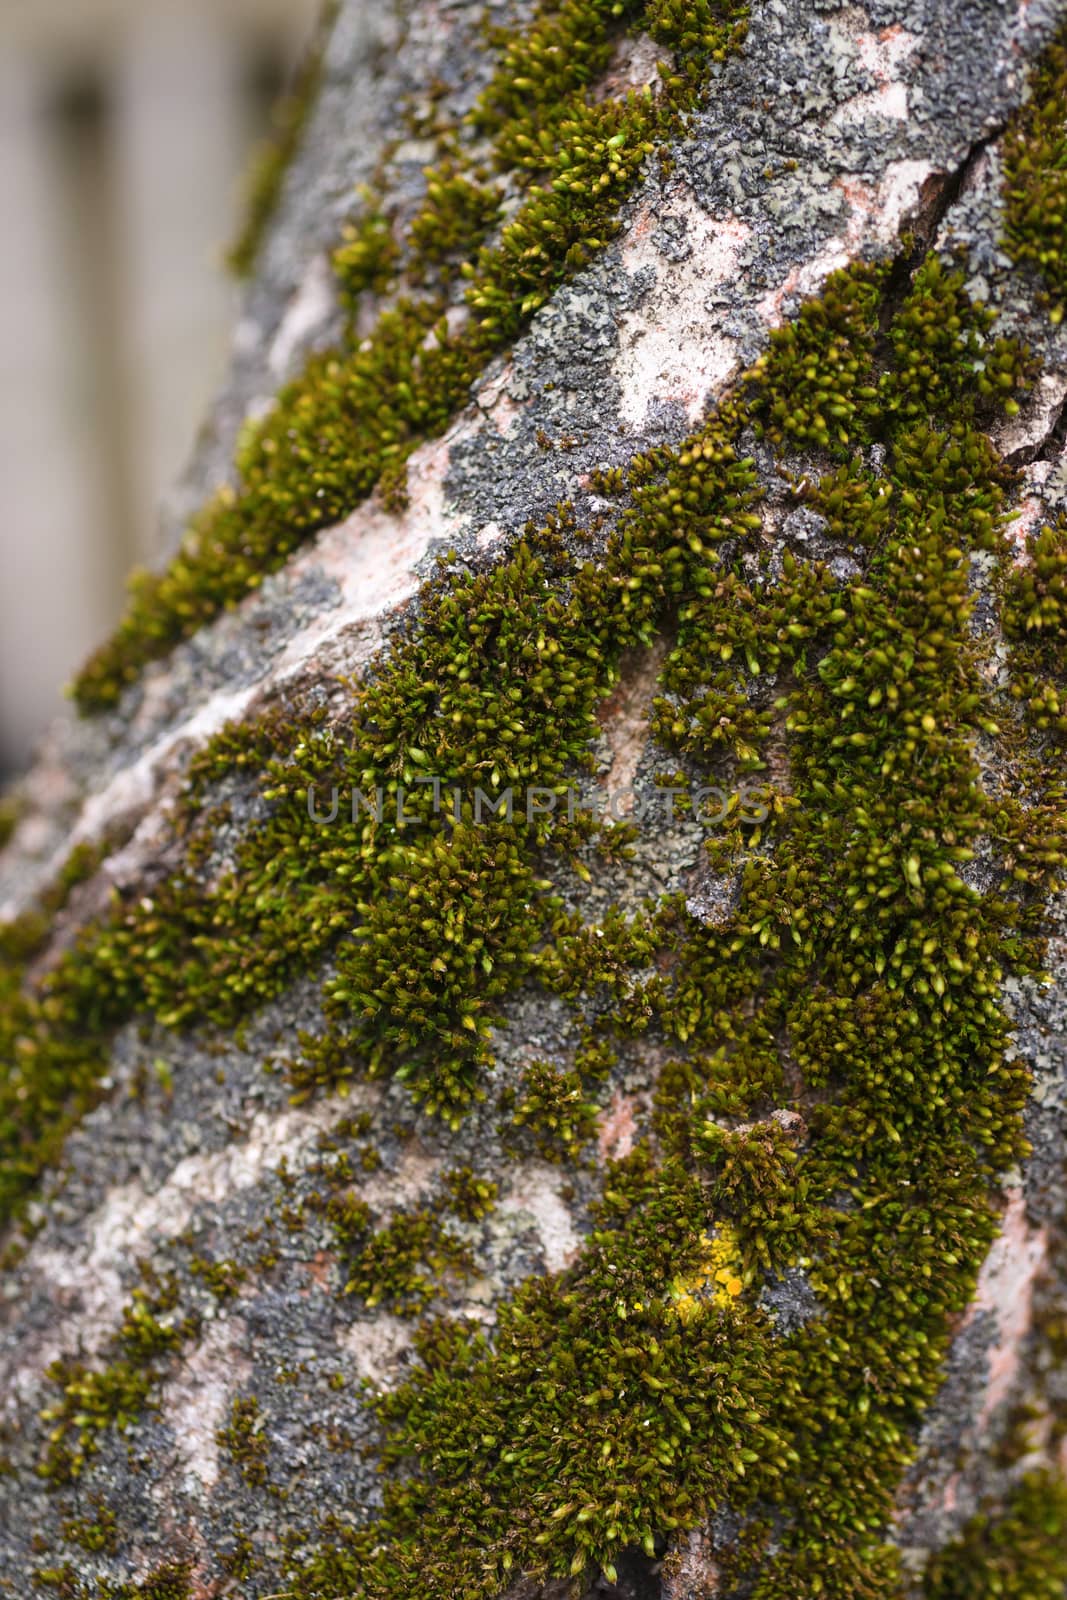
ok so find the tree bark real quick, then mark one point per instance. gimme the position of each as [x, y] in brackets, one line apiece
[238, 1438]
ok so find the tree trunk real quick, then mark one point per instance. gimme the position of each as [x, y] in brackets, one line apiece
[639, 1191]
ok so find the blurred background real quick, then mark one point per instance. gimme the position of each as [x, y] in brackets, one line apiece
[126, 127]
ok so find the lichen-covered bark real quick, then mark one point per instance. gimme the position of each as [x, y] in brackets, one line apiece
[706, 1141]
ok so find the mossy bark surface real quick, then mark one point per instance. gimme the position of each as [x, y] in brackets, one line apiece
[533, 983]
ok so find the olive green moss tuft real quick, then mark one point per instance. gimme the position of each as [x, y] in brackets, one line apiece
[1035, 619]
[49, 1077]
[367, 261]
[98, 1533]
[222, 1278]
[350, 421]
[408, 1262]
[10, 812]
[93, 1400]
[470, 1197]
[172, 1581]
[552, 1104]
[415, 1256]
[1035, 175]
[1036, 606]
[244, 1440]
[853, 981]
[459, 213]
[1019, 1553]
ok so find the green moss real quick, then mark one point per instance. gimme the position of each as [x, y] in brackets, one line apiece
[1035, 618]
[223, 1278]
[868, 959]
[98, 1534]
[1018, 1553]
[817, 396]
[91, 1402]
[244, 1440]
[753, 1185]
[172, 1581]
[267, 175]
[552, 1104]
[353, 417]
[351, 1217]
[432, 1006]
[367, 260]
[239, 1560]
[945, 361]
[469, 1197]
[1036, 601]
[855, 979]
[541, 1491]
[11, 809]
[413, 1257]
[150, 1324]
[408, 1262]
[459, 213]
[1035, 175]
[114, 1395]
[49, 1076]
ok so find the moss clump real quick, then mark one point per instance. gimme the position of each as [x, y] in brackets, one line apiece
[151, 1325]
[223, 1278]
[244, 1440]
[1035, 606]
[460, 211]
[855, 978]
[10, 812]
[353, 417]
[91, 1402]
[115, 1395]
[469, 1197]
[172, 1581]
[945, 360]
[351, 1218]
[98, 1534]
[239, 1560]
[267, 175]
[408, 1262]
[819, 360]
[678, 1397]
[828, 391]
[1035, 175]
[553, 1105]
[1018, 1553]
[414, 1256]
[752, 1184]
[697, 32]
[49, 1076]
[433, 1005]
[1035, 619]
[367, 261]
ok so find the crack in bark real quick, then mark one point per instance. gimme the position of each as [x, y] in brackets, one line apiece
[937, 197]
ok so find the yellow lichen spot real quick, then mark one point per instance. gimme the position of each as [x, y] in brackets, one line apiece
[715, 1282]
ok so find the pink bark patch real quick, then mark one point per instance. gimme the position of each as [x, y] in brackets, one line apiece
[617, 1128]
[1006, 1289]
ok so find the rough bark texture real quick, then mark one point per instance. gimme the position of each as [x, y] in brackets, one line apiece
[826, 135]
